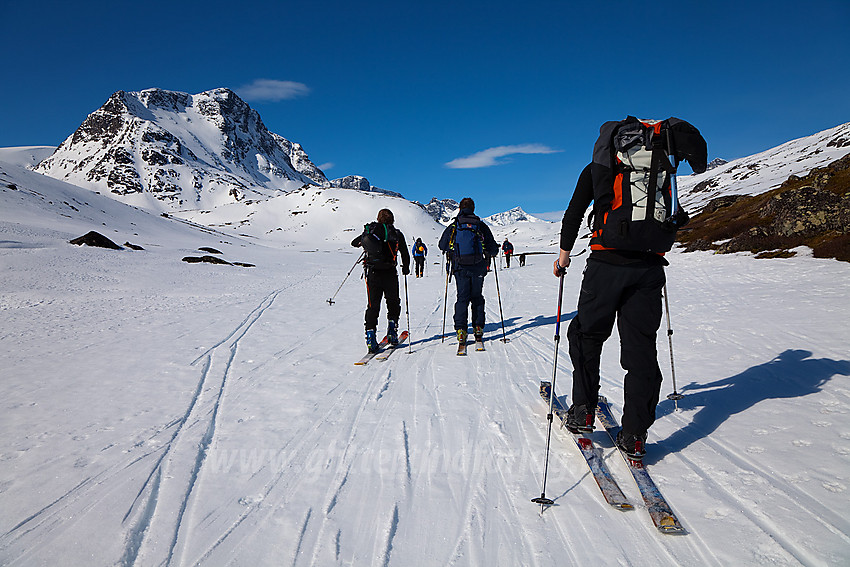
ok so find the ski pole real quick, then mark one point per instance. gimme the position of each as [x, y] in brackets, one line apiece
[445, 300]
[675, 396]
[543, 501]
[499, 295]
[331, 300]
[407, 310]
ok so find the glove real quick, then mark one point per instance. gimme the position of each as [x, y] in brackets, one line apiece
[405, 270]
[558, 269]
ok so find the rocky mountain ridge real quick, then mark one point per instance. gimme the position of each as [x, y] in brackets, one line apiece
[764, 171]
[167, 150]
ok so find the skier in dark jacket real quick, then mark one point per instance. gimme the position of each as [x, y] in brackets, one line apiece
[622, 285]
[420, 251]
[382, 243]
[469, 266]
[507, 250]
[622, 282]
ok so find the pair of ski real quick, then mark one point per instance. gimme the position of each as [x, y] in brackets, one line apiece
[659, 510]
[461, 347]
[385, 349]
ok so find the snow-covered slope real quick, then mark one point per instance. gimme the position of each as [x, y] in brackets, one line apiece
[766, 170]
[316, 217]
[154, 412]
[167, 150]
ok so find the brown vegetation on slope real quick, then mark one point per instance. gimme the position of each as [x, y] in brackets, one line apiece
[811, 211]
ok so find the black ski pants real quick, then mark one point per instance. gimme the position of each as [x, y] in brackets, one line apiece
[631, 295]
[420, 265]
[381, 284]
[470, 290]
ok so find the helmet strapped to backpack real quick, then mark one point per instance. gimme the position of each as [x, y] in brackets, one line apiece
[632, 170]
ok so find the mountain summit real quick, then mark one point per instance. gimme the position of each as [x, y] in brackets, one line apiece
[167, 150]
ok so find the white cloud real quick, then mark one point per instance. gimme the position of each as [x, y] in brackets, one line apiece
[271, 90]
[490, 157]
[326, 166]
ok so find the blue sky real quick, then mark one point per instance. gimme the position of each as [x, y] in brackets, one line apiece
[497, 100]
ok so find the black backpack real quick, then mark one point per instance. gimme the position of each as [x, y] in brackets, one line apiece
[634, 208]
[380, 242]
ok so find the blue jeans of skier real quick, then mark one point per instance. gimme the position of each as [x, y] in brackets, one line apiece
[470, 290]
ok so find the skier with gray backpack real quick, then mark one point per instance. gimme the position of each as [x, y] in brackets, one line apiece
[635, 216]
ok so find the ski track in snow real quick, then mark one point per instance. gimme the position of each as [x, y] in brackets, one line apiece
[189, 445]
[286, 453]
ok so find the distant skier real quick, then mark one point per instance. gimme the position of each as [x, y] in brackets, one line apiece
[382, 243]
[469, 245]
[624, 275]
[419, 253]
[521, 260]
[507, 250]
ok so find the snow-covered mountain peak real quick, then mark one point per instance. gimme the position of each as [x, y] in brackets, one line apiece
[441, 210]
[509, 217]
[167, 150]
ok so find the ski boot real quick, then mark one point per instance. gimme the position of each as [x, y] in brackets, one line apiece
[461, 336]
[371, 342]
[579, 420]
[478, 332]
[392, 332]
[632, 444]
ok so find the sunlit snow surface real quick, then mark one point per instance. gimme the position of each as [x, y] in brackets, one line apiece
[154, 412]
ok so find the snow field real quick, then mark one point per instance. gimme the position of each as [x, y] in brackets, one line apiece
[156, 412]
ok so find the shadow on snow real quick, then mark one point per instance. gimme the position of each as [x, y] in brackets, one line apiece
[792, 374]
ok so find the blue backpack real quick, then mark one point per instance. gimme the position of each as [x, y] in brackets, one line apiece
[467, 244]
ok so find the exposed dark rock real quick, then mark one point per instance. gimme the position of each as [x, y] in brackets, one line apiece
[210, 250]
[206, 259]
[133, 246]
[95, 239]
[215, 260]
